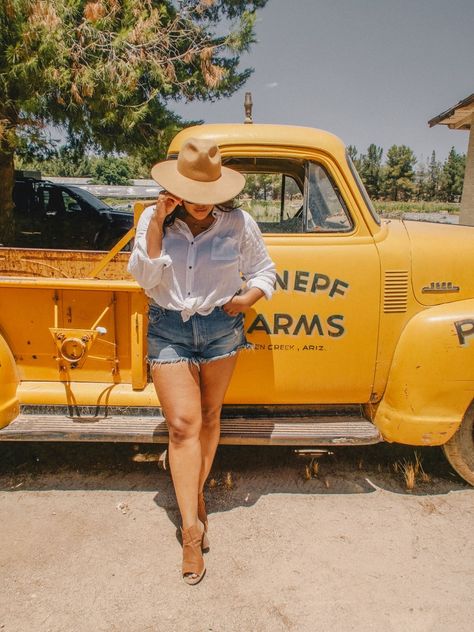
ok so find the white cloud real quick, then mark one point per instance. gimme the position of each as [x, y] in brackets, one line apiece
[274, 84]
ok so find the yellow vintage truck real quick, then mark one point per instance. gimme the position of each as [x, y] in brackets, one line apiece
[369, 336]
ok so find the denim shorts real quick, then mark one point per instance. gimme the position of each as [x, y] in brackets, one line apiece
[198, 340]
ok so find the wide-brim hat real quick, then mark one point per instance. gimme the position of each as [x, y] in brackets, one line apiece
[197, 175]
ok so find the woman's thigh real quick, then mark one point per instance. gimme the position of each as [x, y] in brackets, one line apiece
[178, 389]
[215, 378]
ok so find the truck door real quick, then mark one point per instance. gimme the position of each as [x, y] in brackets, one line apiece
[316, 340]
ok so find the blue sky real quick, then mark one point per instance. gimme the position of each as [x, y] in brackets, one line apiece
[366, 70]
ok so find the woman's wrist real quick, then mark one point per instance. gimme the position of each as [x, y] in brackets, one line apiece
[241, 302]
[251, 296]
[157, 222]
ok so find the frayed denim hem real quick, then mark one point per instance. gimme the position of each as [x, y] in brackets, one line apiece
[153, 363]
[246, 345]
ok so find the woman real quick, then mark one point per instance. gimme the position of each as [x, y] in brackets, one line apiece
[190, 256]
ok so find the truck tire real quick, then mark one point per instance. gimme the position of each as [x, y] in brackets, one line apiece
[459, 450]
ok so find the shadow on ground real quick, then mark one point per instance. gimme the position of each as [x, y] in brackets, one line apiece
[240, 474]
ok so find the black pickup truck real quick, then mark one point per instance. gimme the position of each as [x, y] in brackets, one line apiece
[61, 216]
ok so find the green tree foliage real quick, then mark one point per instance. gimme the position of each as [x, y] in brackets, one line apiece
[371, 170]
[107, 71]
[452, 177]
[62, 162]
[399, 174]
[421, 182]
[354, 156]
[433, 184]
[263, 186]
[111, 170]
[67, 162]
[428, 179]
[398, 180]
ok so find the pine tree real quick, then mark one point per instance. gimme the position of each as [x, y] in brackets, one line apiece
[399, 175]
[371, 170]
[354, 156]
[434, 178]
[452, 177]
[421, 181]
[108, 70]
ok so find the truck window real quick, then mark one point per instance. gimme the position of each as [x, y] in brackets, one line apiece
[274, 192]
[274, 200]
[325, 207]
[291, 196]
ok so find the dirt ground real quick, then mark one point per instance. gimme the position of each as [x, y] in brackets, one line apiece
[89, 543]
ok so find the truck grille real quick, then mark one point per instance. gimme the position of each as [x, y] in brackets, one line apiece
[395, 291]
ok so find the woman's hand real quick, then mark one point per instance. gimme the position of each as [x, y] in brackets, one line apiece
[165, 205]
[242, 302]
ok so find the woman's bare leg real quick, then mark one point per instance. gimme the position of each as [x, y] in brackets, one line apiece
[215, 378]
[178, 389]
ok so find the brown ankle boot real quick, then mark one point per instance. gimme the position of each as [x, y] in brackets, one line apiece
[202, 515]
[193, 567]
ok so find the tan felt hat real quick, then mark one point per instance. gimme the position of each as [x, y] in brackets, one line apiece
[198, 175]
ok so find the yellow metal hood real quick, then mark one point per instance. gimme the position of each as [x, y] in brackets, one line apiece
[442, 257]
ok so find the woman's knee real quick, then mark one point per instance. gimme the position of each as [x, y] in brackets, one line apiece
[211, 415]
[183, 429]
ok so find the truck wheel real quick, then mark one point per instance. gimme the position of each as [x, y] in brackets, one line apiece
[459, 450]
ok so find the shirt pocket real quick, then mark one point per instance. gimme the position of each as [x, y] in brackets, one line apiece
[224, 249]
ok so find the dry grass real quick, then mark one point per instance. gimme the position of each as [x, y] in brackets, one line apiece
[228, 481]
[412, 471]
[408, 470]
[311, 470]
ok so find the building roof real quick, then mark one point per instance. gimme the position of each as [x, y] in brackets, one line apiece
[457, 117]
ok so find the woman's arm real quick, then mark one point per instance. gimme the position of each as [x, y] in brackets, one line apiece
[148, 258]
[165, 205]
[258, 270]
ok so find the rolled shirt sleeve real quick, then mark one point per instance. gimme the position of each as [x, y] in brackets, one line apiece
[147, 272]
[258, 270]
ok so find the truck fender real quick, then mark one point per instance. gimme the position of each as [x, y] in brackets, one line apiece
[9, 380]
[431, 380]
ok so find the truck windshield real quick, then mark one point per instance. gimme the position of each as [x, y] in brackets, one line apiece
[362, 189]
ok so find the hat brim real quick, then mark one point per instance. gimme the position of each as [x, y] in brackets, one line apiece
[225, 188]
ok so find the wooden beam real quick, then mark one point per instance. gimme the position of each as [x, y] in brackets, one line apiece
[234, 431]
[464, 121]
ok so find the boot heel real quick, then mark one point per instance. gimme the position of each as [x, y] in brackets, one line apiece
[202, 515]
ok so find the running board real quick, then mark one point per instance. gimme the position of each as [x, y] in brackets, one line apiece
[320, 430]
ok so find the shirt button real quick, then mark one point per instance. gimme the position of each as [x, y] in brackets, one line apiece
[192, 243]
[190, 267]
[189, 293]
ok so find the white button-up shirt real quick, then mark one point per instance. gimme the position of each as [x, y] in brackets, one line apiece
[196, 274]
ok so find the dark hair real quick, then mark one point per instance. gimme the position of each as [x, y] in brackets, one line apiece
[180, 212]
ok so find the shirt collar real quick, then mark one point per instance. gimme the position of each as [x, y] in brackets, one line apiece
[181, 226]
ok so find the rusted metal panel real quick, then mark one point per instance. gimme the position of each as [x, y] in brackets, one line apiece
[67, 264]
